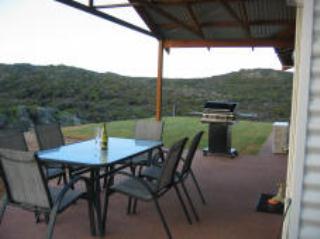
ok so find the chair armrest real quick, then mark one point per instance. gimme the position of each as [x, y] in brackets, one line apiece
[158, 158]
[4, 203]
[69, 186]
[165, 150]
[58, 200]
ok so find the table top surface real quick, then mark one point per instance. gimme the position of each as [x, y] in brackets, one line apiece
[89, 152]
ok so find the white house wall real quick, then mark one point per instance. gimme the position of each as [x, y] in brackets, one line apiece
[310, 205]
[303, 177]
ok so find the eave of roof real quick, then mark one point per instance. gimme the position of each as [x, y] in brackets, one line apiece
[208, 23]
[246, 22]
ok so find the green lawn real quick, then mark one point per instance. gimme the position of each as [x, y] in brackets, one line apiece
[247, 136]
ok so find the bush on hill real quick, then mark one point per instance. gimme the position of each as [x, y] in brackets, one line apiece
[31, 94]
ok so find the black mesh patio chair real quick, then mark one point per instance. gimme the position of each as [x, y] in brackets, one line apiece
[26, 187]
[144, 130]
[14, 139]
[154, 172]
[50, 136]
[147, 130]
[140, 189]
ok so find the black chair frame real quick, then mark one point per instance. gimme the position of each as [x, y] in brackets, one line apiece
[55, 208]
[159, 192]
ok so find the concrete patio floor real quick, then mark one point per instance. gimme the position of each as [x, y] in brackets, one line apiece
[231, 188]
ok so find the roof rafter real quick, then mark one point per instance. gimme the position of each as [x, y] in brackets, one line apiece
[116, 5]
[173, 18]
[254, 22]
[246, 18]
[236, 17]
[177, 2]
[146, 18]
[156, 2]
[105, 16]
[288, 32]
[194, 19]
[235, 23]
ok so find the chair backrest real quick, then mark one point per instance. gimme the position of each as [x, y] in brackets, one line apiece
[13, 139]
[149, 130]
[170, 164]
[24, 179]
[49, 136]
[192, 150]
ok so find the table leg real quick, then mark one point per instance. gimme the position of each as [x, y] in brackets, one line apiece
[109, 183]
[95, 183]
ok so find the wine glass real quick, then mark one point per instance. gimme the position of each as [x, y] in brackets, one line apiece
[98, 135]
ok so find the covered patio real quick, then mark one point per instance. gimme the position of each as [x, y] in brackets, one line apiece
[231, 187]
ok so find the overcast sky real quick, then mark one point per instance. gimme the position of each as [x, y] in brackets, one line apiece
[46, 32]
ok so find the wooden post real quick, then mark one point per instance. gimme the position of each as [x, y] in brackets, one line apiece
[159, 82]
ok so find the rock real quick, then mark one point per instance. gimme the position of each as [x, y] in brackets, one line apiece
[3, 121]
[66, 119]
[46, 115]
[24, 120]
[25, 117]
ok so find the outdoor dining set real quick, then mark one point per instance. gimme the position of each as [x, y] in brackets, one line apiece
[48, 181]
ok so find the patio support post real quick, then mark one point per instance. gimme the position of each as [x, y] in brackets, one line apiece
[159, 82]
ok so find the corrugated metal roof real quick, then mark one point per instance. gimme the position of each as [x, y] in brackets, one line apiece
[209, 23]
[255, 22]
[269, 17]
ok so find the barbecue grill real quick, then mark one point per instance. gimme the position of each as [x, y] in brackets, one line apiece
[220, 116]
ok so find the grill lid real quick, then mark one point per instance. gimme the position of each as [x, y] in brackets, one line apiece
[223, 106]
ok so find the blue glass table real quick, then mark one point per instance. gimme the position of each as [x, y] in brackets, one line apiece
[88, 154]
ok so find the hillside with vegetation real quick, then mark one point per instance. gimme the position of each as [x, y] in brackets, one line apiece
[40, 94]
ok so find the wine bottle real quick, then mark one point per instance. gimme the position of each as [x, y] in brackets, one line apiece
[104, 137]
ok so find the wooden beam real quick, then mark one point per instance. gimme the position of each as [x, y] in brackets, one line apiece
[183, 2]
[229, 43]
[288, 32]
[165, 2]
[159, 82]
[252, 23]
[246, 19]
[195, 20]
[105, 16]
[235, 16]
[226, 23]
[116, 5]
[140, 9]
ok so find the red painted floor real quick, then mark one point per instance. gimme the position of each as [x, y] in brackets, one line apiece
[231, 188]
